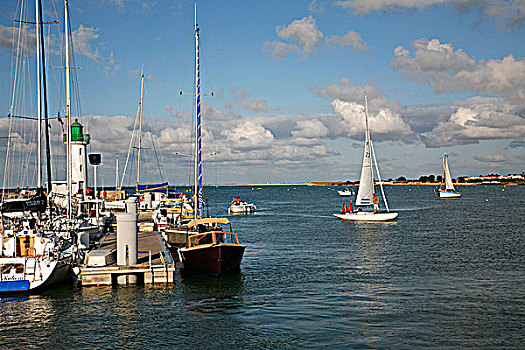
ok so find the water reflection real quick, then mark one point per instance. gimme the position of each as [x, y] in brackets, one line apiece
[203, 294]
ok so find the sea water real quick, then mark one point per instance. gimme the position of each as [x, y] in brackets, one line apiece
[444, 274]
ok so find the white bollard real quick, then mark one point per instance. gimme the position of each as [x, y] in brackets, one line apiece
[126, 239]
[148, 201]
[131, 205]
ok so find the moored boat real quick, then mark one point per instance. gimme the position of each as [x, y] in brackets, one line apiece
[214, 251]
[210, 250]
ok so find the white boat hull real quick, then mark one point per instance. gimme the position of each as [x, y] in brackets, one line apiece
[367, 216]
[242, 208]
[45, 273]
[345, 193]
[449, 194]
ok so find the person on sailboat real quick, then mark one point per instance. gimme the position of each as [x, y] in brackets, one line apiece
[344, 209]
[375, 200]
[350, 208]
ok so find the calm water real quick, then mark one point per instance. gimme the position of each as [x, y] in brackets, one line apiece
[445, 274]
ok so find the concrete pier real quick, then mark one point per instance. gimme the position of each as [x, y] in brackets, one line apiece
[154, 263]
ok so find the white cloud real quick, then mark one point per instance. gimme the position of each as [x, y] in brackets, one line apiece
[9, 36]
[310, 129]
[279, 49]
[446, 69]
[247, 101]
[249, 136]
[490, 158]
[351, 38]
[385, 122]
[304, 34]
[510, 14]
[481, 120]
[347, 91]
[83, 38]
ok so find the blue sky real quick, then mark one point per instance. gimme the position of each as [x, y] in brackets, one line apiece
[287, 77]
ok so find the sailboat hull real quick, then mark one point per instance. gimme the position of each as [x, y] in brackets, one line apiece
[217, 260]
[367, 216]
[448, 194]
[48, 274]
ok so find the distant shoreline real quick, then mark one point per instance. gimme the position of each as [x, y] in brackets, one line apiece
[386, 183]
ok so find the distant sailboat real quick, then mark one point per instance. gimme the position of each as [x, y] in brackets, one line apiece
[447, 190]
[365, 195]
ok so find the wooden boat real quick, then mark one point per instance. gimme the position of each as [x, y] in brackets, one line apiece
[214, 252]
[210, 249]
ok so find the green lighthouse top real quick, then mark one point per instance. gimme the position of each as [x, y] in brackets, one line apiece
[77, 134]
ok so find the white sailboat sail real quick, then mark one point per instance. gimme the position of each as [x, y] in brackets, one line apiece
[446, 174]
[366, 183]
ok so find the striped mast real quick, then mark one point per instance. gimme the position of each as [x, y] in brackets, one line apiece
[198, 156]
[140, 128]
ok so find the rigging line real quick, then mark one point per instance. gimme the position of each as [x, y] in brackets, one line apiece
[153, 143]
[379, 176]
[130, 147]
[157, 158]
[202, 54]
[14, 74]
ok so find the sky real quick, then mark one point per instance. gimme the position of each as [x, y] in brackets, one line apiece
[284, 84]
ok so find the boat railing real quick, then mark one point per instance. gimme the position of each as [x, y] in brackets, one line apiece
[212, 237]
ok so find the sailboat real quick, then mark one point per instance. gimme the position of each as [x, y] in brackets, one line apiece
[207, 250]
[157, 191]
[447, 190]
[35, 252]
[365, 195]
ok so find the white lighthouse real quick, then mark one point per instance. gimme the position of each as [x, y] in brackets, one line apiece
[79, 141]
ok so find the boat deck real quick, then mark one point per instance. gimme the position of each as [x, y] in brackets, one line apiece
[154, 263]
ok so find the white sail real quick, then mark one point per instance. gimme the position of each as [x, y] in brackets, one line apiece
[446, 174]
[366, 183]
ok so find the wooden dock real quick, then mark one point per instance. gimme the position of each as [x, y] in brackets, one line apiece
[154, 263]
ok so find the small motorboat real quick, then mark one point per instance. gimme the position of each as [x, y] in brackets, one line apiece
[346, 192]
[241, 207]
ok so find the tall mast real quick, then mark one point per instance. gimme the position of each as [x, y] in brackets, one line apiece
[116, 173]
[68, 110]
[140, 127]
[44, 90]
[367, 135]
[198, 157]
[39, 96]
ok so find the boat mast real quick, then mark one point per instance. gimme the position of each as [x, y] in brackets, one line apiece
[444, 169]
[368, 141]
[198, 157]
[374, 157]
[44, 85]
[116, 174]
[140, 128]
[39, 96]
[68, 111]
